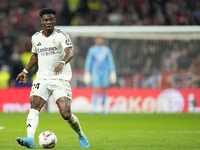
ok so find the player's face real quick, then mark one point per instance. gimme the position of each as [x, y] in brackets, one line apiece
[99, 41]
[48, 21]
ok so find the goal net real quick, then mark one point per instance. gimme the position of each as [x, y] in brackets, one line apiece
[145, 56]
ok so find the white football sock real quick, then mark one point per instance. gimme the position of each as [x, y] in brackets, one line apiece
[32, 122]
[74, 124]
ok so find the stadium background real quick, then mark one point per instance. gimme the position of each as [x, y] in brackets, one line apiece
[153, 75]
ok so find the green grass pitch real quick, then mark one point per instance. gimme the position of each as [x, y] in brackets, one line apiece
[109, 132]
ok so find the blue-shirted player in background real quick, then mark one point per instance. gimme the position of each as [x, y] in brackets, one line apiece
[100, 69]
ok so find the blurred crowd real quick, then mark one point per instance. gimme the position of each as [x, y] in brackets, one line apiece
[20, 19]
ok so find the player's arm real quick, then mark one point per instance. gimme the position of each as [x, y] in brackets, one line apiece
[69, 53]
[88, 61]
[32, 62]
[113, 76]
[111, 62]
[87, 78]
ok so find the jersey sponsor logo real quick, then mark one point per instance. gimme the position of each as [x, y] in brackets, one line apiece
[47, 51]
[39, 44]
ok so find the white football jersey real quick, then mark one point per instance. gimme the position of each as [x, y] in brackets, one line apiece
[50, 52]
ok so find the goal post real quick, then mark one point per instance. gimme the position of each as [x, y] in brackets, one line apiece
[128, 31]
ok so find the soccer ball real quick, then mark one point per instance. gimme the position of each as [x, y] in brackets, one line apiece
[47, 139]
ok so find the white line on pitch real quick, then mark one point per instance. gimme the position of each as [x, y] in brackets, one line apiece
[1, 127]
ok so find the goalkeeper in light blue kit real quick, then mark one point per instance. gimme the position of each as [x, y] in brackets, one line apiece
[100, 70]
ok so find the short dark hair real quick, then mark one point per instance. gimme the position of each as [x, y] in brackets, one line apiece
[47, 11]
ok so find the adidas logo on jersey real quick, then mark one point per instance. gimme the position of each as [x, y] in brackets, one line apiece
[39, 44]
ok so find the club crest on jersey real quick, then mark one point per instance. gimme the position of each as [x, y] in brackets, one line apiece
[54, 41]
[33, 91]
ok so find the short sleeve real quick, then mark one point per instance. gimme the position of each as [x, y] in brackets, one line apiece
[66, 41]
[33, 49]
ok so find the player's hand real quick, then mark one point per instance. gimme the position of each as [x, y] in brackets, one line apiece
[87, 78]
[113, 77]
[22, 77]
[58, 69]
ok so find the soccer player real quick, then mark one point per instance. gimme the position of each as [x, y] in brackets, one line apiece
[52, 50]
[100, 69]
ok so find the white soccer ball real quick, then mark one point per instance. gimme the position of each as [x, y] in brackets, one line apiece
[47, 139]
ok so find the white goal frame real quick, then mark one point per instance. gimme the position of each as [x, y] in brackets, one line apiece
[134, 32]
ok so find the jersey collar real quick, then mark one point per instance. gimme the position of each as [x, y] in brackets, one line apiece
[51, 33]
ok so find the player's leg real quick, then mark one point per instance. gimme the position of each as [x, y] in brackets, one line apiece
[95, 83]
[104, 96]
[37, 99]
[65, 111]
[104, 85]
[62, 95]
[95, 99]
[33, 117]
[32, 122]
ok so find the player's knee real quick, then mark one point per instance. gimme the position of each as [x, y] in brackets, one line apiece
[66, 115]
[37, 103]
[36, 106]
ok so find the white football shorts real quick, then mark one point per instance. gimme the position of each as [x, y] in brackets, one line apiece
[55, 87]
